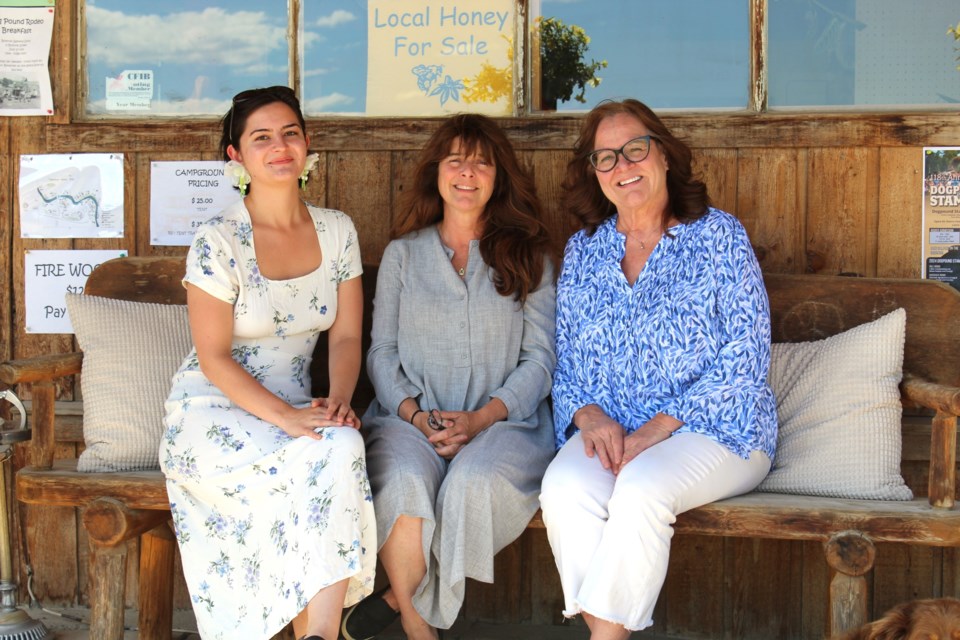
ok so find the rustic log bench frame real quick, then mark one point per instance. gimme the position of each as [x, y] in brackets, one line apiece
[117, 507]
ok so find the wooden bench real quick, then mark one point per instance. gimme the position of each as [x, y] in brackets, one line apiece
[119, 506]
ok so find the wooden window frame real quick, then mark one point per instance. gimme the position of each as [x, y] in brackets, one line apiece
[755, 126]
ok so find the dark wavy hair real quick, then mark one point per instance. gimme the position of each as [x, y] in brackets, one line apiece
[514, 240]
[687, 198]
[246, 102]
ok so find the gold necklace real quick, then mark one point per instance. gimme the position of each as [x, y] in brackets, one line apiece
[643, 245]
[461, 271]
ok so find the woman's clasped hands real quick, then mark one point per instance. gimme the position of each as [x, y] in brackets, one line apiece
[606, 438]
[322, 412]
[450, 431]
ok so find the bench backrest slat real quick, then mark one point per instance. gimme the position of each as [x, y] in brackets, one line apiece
[803, 307]
[150, 279]
[807, 308]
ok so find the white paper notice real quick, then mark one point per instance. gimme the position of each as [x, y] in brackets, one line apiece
[51, 274]
[26, 28]
[71, 196]
[130, 91]
[183, 195]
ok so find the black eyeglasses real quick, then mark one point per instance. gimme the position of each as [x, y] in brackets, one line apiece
[635, 150]
[280, 92]
[434, 420]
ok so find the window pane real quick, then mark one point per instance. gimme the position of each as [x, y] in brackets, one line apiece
[334, 39]
[181, 56]
[411, 58]
[668, 54]
[862, 52]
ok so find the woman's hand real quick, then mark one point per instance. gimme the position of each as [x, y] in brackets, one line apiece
[448, 451]
[438, 439]
[656, 430]
[601, 434]
[338, 410]
[300, 422]
[322, 412]
[459, 428]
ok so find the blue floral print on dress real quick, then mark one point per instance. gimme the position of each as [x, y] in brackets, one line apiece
[249, 592]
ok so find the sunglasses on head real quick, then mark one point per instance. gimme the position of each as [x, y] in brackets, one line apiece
[280, 92]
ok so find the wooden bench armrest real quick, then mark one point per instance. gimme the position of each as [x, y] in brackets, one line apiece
[945, 400]
[939, 397]
[41, 368]
[40, 372]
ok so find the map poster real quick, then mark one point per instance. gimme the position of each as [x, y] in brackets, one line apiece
[430, 57]
[26, 29]
[941, 215]
[49, 275]
[183, 195]
[71, 196]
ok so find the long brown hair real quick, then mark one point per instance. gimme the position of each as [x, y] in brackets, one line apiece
[514, 239]
[687, 198]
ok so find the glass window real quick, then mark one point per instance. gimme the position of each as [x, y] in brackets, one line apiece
[181, 57]
[668, 54]
[334, 54]
[862, 53]
[431, 57]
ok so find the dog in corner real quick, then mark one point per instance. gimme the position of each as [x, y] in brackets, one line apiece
[931, 619]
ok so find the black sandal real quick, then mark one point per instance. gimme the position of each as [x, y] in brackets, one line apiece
[368, 618]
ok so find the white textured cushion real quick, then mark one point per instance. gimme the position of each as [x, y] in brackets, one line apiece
[839, 410]
[130, 352]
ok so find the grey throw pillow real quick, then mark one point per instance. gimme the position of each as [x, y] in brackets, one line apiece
[130, 352]
[838, 404]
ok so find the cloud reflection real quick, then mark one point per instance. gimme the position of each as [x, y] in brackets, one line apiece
[211, 36]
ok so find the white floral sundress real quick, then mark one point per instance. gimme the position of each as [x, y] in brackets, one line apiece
[263, 520]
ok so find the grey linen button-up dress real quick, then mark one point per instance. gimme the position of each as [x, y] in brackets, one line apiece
[453, 344]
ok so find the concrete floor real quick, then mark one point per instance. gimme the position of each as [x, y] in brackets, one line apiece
[69, 624]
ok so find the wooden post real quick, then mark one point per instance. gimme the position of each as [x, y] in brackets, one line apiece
[43, 440]
[157, 550]
[108, 571]
[110, 524]
[851, 555]
[943, 461]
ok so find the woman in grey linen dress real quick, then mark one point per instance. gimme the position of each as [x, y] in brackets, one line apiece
[267, 486]
[461, 359]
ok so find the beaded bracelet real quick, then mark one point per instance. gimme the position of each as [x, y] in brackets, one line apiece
[415, 415]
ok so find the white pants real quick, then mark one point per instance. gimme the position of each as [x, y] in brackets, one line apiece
[610, 534]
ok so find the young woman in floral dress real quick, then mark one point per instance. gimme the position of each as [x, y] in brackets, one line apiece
[268, 486]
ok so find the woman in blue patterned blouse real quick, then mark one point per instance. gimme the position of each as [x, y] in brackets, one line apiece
[663, 343]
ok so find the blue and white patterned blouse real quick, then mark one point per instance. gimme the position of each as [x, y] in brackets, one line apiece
[691, 338]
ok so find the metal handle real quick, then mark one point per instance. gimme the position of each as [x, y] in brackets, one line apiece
[21, 433]
[12, 398]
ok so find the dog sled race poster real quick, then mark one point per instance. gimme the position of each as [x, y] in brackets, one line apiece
[941, 215]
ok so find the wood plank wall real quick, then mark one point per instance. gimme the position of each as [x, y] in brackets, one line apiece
[826, 194]
[823, 193]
